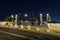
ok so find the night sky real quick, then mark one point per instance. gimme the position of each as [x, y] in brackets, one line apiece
[52, 7]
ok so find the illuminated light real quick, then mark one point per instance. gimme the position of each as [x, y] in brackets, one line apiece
[48, 30]
[12, 16]
[25, 15]
[37, 29]
[16, 15]
[40, 14]
[22, 26]
[29, 27]
[47, 14]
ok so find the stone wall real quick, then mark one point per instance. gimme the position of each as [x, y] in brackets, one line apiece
[4, 23]
[54, 26]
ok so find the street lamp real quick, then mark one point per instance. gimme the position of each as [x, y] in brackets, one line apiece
[26, 20]
[16, 16]
[47, 17]
[40, 19]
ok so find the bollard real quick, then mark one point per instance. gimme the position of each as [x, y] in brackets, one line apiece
[29, 27]
[11, 26]
[48, 30]
[22, 26]
[37, 29]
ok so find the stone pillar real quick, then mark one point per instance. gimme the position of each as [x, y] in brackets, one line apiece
[40, 19]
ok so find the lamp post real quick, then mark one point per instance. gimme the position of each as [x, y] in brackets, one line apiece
[26, 20]
[40, 19]
[12, 19]
[16, 16]
[47, 17]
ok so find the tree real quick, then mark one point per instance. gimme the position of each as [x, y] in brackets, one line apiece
[8, 18]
